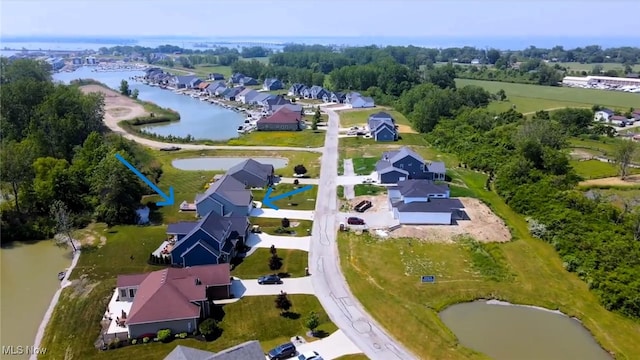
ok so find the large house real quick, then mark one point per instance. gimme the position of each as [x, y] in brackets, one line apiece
[296, 89]
[215, 239]
[281, 120]
[231, 94]
[405, 164]
[250, 350]
[252, 173]
[293, 107]
[236, 78]
[172, 298]
[184, 81]
[227, 196]
[356, 100]
[422, 202]
[603, 115]
[338, 97]
[382, 127]
[247, 81]
[274, 100]
[272, 84]
[214, 87]
[216, 76]
[315, 92]
[242, 95]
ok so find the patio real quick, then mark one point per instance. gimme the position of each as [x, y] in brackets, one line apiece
[115, 315]
[165, 248]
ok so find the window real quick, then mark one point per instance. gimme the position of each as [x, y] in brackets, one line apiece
[132, 292]
[123, 292]
[401, 166]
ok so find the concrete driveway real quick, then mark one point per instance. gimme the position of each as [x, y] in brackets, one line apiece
[280, 242]
[331, 347]
[282, 213]
[304, 181]
[250, 287]
[352, 179]
[374, 219]
[349, 192]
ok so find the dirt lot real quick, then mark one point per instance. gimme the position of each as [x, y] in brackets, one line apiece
[483, 225]
[631, 180]
[379, 202]
[579, 154]
[117, 106]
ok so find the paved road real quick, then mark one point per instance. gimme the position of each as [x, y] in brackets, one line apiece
[349, 191]
[328, 282]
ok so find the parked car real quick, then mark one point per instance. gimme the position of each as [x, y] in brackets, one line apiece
[310, 355]
[269, 279]
[283, 351]
[363, 206]
[170, 148]
[355, 221]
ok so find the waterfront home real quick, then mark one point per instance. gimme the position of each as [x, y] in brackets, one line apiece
[382, 127]
[174, 298]
[249, 350]
[293, 107]
[404, 164]
[221, 91]
[216, 76]
[214, 87]
[227, 197]
[247, 81]
[282, 120]
[259, 98]
[236, 77]
[215, 239]
[274, 100]
[184, 81]
[296, 89]
[252, 173]
[232, 93]
[422, 202]
[242, 96]
[203, 86]
[250, 96]
[272, 84]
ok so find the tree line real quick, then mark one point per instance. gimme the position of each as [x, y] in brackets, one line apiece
[55, 150]
[530, 169]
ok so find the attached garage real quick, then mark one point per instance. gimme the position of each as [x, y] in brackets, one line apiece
[422, 217]
[432, 212]
[392, 175]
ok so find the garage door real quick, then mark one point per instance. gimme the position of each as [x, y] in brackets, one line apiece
[401, 178]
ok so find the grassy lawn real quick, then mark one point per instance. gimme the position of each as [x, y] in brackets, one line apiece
[531, 98]
[353, 357]
[367, 189]
[350, 118]
[594, 169]
[403, 140]
[340, 191]
[257, 264]
[350, 148]
[532, 274]
[588, 67]
[364, 165]
[305, 200]
[269, 225]
[460, 191]
[305, 138]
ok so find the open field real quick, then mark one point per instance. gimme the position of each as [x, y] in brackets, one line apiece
[305, 200]
[257, 264]
[304, 138]
[594, 169]
[353, 357]
[630, 181]
[269, 225]
[575, 66]
[355, 117]
[531, 98]
[525, 271]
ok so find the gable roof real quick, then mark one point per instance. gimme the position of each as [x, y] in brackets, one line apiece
[276, 100]
[249, 350]
[437, 167]
[245, 92]
[292, 107]
[186, 353]
[365, 99]
[381, 115]
[167, 294]
[282, 116]
[393, 156]
[181, 228]
[607, 111]
[130, 280]
[233, 91]
[203, 85]
[230, 189]
[185, 79]
[251, 166]
[431, 206]
[420, 188]
[270, 81]
[261, 96]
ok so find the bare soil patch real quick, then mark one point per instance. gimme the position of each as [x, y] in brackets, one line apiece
[379, 202]
[631, 180]
[117, 106]
[406, 129]
[483, 226]
[579, 154]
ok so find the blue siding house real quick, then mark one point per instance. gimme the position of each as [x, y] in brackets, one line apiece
[405, 164]
[225, 197]
[382, 127]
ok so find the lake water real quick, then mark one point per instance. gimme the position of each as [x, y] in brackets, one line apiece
[29, 281]
[506, 332]
[223, 163]
[200, 119]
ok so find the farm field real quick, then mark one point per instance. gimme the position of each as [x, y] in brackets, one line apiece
[531, 98]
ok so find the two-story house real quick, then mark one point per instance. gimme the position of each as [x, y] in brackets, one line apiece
[225, 197]
[422, 202]
[272, 84]
[405, 164]
[382, 127]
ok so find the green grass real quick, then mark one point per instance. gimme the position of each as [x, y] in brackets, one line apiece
[460, 191]
[403, 140]
[269, 225]
[534, 275]
[306, 200]
[340, 191]
[364, 166]
[594, 169]
[353, 357]
[588, 67]
[367, 189]
[350, 118]
[304, 138]
[257, 264]
[531, 98]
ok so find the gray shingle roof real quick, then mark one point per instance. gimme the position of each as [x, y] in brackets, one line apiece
[431, 206]
[182, 227]
[380, 115]
[437, 167]
[421, 188]
[186, 353]
[292, 107]
[262, 96]
[251, 95]
[394, 156]
[229, 188]
[253, 167]
[249, 350]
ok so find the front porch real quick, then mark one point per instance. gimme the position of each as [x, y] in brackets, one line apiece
[113, 321]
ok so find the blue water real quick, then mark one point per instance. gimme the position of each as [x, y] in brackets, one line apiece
[199, 119]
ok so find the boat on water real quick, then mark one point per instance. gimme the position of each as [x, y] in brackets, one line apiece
[61, 275]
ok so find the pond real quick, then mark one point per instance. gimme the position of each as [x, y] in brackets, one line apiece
[29, 281]
[507, 332]
[223, 163]
[200, 119]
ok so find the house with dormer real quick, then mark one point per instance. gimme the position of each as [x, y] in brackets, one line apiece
[315, 92]
[252, 173]
[405, 164]
[296, 89]
[272, 84]
[226, 196]
[382, 127]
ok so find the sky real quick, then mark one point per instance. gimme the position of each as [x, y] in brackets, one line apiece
[311, 18]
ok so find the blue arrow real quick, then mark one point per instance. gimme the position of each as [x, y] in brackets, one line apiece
[267, 201]
[168, 200]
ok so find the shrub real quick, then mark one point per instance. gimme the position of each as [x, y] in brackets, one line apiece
[312, 322]
[134, 341]
[183, 335]
[275, 262]
[208, 327]
[164, 335]
[145, 340]
[285, 223]
[282, 302]
[300, 169]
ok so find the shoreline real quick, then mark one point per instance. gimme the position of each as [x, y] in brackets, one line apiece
[54, 301]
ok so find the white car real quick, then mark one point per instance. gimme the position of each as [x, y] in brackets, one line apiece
[310, 355]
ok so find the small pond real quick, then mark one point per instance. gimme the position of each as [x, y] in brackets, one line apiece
[223, 163]
[513, 332]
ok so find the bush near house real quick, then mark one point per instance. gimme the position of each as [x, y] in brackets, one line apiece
[164, 335]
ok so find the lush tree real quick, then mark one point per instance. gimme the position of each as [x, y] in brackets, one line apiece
[442, 76]
[502, 95]
[124, 88]
[134, 94]
[300, 169]
[273, 250]
[282, 302]
[312, 322]
[492, 56]
[275, 262]
[624, 153]
[285, 222]
[16, 159]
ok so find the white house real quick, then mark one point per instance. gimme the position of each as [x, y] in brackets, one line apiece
[422, 202]
[602, 115]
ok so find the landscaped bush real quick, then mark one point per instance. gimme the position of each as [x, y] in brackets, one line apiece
[164, 335]
[134, 341]
[209, 327]
[182, 335]
[145, 340]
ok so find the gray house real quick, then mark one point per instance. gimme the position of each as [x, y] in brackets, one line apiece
[272, 84]
[422, 202]
[405, 164]
[249, 350]
[172, 298]
[296, 89]
[315, 92]
[259, 98]
[274, 100]
[235, 78]
[338, 97]
[246, 81]
[232, 93]
[216, 76]
[184, 81]
[252, 173]
[361, 102]
[382, 127]
[226, 197]
[293, 107]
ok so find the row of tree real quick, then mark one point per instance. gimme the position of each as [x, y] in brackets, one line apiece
[54, 150]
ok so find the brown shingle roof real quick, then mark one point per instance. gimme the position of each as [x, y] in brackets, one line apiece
[203, 85]
[131, 280]
[282, 116]
[168, 294]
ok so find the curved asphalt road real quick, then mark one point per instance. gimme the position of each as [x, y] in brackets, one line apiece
[328, 282]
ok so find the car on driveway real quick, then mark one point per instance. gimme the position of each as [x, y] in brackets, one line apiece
[310, 355]
[363, 206]
[283, 351]
[269, 279]
[355, 221]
